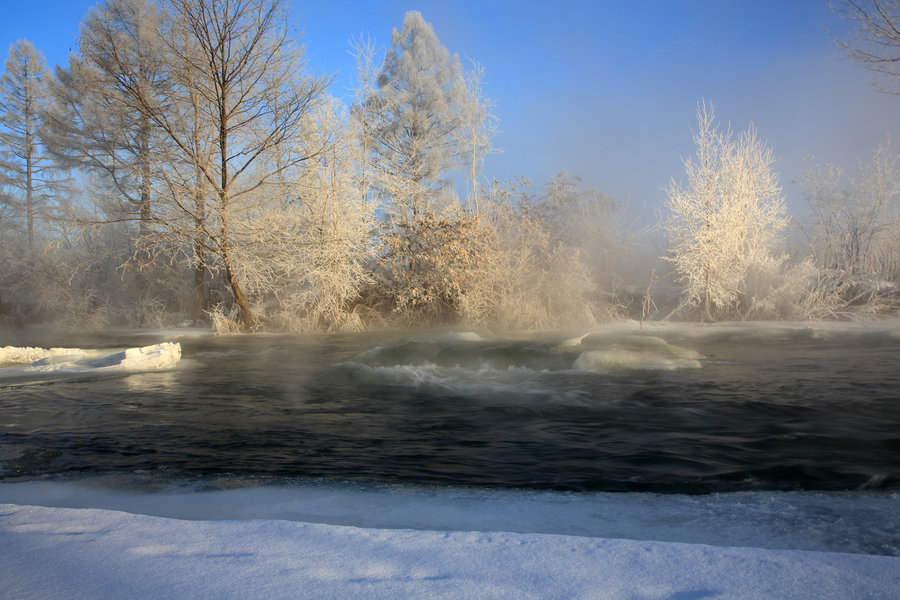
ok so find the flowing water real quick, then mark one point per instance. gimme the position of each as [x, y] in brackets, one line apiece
[690, 410]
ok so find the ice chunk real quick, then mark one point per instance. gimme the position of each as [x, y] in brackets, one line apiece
[159, 356]
[15, 355]
[22, 361]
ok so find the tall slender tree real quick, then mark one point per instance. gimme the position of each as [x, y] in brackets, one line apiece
[23, 161]
[476, 131]
[95, 123]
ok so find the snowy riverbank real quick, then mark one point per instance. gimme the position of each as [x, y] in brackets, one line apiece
[262, 543]
[88, 553]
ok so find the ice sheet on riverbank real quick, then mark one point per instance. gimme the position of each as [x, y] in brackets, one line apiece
[854, 522]
[52, 553]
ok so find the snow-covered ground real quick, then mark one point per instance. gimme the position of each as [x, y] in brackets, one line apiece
[355, 542]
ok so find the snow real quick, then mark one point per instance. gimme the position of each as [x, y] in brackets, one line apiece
[92, 553]
[23, 360]
[261, 543]
[13, 355]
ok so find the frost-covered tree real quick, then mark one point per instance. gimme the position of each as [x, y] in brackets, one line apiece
[313, 255]
[526, 277]
[24, 164]
[876, 39]
[853, 225]
[239, 77]
[362, 111]
[476, 130]
[451, 252]
[587, 221]
[725, 219]
[96, 122]
[420, 89]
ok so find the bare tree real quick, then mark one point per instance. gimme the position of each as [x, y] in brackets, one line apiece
[238, 73]
[97, 125]
[853, 225]
[876, 41]
[24, 165]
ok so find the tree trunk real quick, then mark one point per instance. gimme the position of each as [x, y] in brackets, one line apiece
[239, 298]
[144, 207]
[200, 295]
[29, 184]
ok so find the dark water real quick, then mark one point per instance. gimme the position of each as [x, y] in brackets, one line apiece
[696, 411]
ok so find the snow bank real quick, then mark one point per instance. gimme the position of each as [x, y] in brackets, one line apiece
[90, 553]
[25, 360]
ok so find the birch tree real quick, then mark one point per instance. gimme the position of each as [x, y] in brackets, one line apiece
[24, 165]
[725, 220]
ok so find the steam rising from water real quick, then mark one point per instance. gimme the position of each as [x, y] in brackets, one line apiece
[665, 410]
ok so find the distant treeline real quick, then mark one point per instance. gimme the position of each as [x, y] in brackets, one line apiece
[185, 165]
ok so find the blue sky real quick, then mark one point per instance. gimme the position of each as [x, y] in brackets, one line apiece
[606, 90]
